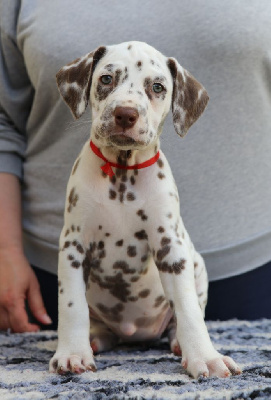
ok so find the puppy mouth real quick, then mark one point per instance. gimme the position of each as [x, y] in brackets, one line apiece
[122, 140]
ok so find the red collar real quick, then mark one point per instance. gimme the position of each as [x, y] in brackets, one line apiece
[107, 167]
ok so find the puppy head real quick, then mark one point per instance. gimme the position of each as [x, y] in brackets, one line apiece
[131, 87]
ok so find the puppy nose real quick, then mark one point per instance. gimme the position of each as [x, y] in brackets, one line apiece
[126, 117]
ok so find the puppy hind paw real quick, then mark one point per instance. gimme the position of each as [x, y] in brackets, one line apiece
[175, 347]
[103, 343]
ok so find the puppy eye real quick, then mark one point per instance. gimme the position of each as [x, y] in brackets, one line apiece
[157, 87]
[106, 79]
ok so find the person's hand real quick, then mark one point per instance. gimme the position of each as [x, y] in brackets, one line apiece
[18, 282]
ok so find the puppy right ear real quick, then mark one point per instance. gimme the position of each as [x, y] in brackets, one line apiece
[74, 81]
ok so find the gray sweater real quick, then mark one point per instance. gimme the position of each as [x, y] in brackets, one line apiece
[223, 166]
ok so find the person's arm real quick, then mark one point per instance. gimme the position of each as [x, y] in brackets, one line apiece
[17, 279]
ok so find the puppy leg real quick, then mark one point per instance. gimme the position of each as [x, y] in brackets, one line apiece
[73, 353]
[101, 337]
[201, 281]
[174, 260]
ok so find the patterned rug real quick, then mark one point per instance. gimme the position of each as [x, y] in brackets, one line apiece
[141, 371]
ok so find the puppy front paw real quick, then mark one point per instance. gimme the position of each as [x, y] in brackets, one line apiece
[214, 365]
[64, 361]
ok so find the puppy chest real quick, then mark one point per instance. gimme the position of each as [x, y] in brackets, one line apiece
[115, 256]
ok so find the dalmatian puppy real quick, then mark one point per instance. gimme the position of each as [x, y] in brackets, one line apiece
[128, 270]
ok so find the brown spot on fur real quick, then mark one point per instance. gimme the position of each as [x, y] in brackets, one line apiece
[142, 214]
[165, 241]
[102, 91]
[144, 258]
[139, 65]
[76, 165]
[131, 251]
[119, 243]
[113, 179]
[158, 301]
[124, 267]
[175, 268]
[141, 235]
[133, 298]
[161, 176]
[171, 304]
[162, 253]
[111, 313]
[102, 254]
[132, 180]
[117, 286]
[112, 194]
[124, 178]
[70, 304]
[79, 248]
[161, 229]
[130, 196]
[147, 86]
[160, 163]
[144, 293]
[72, 199]
[117, 76]
[91, 263]
[75, 264]
[122, 188]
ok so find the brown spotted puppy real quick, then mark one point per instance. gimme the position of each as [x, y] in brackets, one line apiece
[127, 267]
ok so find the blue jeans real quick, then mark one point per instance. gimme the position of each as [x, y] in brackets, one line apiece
[246, 296]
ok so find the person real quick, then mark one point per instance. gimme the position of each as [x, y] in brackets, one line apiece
[222, 168]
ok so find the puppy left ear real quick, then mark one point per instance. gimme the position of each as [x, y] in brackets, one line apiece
[189, 98]
[74, 81]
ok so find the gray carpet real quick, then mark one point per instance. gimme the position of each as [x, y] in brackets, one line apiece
[144, 371]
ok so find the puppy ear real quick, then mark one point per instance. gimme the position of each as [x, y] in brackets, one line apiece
[74, 81]
[189, 98]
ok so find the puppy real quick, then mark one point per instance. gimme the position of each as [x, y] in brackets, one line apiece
[127, 268]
